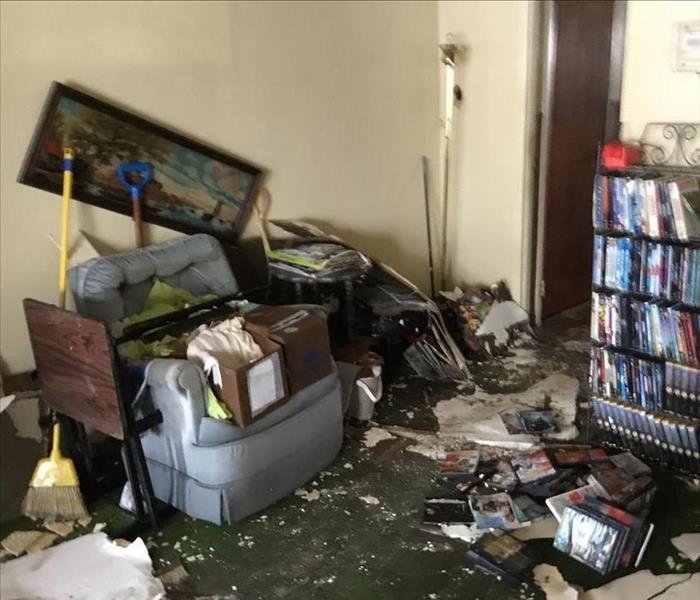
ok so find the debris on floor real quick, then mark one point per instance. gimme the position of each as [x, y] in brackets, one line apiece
[475, 496]
[555, 587]
[688, 544]
[98, 568]
[374, 435]
[31, 542]
[371, 500]
[487, 320]
[60, 528]
[477, 417]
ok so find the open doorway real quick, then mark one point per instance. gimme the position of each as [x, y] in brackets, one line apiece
[579, 108]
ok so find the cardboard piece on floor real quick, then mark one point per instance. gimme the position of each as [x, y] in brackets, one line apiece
[85, 568]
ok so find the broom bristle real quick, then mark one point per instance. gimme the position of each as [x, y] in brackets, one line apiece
[56, 503]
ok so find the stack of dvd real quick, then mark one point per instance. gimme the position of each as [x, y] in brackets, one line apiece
[669, 439]
[664, 271]
[661, 331]
[602, 536]
[682, 390]
[657, 208]
[630, 379]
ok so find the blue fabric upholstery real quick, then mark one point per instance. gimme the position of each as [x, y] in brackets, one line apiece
[210, 469]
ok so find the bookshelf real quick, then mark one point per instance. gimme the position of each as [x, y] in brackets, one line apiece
[645, 315]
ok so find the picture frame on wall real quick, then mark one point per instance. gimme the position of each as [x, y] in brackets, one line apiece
[195, 188]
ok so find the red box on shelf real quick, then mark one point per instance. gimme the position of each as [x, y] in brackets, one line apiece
[618, 155]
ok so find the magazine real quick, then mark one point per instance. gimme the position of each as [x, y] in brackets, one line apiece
[538, 422]
[533, 465]
[462, 462]
[494, 511]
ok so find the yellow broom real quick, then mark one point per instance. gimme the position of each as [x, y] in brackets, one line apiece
[54, 490]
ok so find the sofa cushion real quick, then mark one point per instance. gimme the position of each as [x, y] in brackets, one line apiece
[109, 288]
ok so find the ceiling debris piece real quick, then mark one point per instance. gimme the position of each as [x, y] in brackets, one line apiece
[98, 569]
[688, 544]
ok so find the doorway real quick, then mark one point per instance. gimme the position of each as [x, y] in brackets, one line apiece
[579, 109]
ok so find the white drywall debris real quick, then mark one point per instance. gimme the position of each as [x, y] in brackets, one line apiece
[553, 584]
[31, 542]
[369, 500]
[310, 496]
[501, 317]
[477, 417]
[375, 435]
[61, 528]
[644, 584]
[85, 521]
[25, 418]
[468, 533]
[688, 544]
[97, 567]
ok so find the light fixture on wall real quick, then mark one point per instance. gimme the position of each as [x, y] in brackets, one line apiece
[450, 54]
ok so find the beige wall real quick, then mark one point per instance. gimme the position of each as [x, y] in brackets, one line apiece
[651, 90]
[491, 133]
[339, 100]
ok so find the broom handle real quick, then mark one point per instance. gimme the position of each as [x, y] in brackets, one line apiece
[65, 213]
[55, 441]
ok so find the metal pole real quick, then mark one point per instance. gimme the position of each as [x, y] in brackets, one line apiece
[426, 194]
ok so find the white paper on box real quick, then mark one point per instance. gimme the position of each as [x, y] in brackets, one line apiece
[265, 383]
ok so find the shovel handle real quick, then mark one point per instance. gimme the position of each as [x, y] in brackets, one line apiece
[143, 169]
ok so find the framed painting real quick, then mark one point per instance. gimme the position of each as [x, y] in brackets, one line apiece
[195, 188]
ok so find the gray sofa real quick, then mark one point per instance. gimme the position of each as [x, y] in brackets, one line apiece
[207, 468]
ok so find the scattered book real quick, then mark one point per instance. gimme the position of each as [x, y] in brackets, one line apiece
[532, 466]
[629, 463]
[500, 554]
[565, 457]
[591, 539]
[530, 422]
[538, 422]
[463, 462]
[527, 511]
[494, 511]
[557, 504]
[447, 511]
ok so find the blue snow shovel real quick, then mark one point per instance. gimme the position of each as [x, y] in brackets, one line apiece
[144, 174]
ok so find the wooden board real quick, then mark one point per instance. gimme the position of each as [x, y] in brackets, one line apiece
[75, 361]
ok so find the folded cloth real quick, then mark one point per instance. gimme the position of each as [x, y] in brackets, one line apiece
[227, 344]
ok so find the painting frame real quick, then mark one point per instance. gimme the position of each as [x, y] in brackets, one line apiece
[32, 174]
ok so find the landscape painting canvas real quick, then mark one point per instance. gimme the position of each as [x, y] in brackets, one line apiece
[195, 188]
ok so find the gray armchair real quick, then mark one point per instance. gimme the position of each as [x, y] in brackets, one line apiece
[207, 468]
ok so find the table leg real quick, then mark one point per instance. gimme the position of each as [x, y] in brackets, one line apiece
[349, 308]
[299, 292]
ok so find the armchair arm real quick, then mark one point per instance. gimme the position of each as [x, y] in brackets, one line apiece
[179, 389]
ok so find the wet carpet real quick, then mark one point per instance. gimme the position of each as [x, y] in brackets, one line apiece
[355, 532]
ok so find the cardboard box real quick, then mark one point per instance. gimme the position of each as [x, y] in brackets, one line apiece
[304, 339]
[255, 389]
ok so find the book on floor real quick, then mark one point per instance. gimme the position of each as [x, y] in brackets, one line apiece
[500, 554]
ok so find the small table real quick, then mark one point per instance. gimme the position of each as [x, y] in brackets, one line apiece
[346, 277]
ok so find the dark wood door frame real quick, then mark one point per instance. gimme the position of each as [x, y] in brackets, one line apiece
[546, 73]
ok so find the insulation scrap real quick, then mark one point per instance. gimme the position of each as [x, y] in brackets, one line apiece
[19, 542]
[370, 500]
[375, 435]
[688, 544]
[61, 528]
[97, 567]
